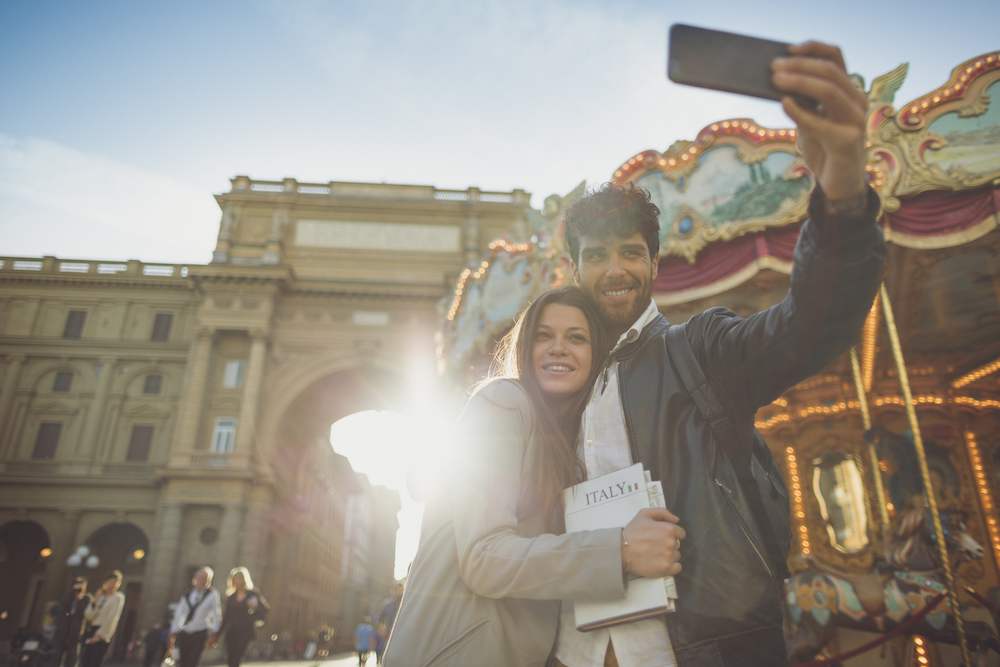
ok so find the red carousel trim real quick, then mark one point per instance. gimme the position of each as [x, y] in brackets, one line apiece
[913, 114]
[679, 158]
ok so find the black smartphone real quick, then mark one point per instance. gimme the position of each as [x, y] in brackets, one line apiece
[723, 61]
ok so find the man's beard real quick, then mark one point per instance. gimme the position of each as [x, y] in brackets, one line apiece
[618, 321]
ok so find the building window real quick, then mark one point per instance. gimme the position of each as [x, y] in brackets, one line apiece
[74, 324]
[224, 436]
[63, 381]
[47, 440]
[139, 443]
[161, 327]
[232, 377]
[152, 384]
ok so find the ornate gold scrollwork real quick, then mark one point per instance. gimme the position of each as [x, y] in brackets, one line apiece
[909, 136]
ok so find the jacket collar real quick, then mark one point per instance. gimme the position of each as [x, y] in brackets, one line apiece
[655, 326]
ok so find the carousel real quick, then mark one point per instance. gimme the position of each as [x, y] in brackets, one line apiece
[892, 453]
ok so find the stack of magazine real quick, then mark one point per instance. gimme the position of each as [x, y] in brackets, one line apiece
[611, 501]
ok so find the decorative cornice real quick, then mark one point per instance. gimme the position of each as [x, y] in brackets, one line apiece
[239, 273]
[367, 290]
[96, 349]
[83, 280]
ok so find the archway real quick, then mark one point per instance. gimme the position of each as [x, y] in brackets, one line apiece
[317, 491]
[24, 552]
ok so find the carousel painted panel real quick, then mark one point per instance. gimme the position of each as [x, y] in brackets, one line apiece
[734, 179]
[947, 139]
[968, 145]
[488, 299]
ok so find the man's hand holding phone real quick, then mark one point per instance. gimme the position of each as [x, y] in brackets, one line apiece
[809, 79]
[831, 138]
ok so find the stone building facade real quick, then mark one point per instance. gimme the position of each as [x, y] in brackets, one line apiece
[157, 417]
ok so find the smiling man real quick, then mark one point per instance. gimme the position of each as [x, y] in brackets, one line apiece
[717, 473]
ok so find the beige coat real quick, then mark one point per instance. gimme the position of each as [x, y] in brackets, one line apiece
[104, 612]
[485, 587]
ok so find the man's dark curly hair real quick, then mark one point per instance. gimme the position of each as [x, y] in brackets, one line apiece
[621, 210]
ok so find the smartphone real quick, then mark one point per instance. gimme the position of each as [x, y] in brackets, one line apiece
[724, 61]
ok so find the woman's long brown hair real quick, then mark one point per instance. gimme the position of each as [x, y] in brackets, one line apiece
[556, 464]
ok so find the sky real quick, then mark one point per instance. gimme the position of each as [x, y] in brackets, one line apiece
[120, 120]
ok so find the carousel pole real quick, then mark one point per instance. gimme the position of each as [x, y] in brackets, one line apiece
[918, 442]
[866, 421]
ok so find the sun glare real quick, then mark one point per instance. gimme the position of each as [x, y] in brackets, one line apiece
[401, 451]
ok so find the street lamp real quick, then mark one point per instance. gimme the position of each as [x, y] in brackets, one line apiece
[83, 557]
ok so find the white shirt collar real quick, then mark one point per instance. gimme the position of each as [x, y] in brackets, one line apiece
[633, 331]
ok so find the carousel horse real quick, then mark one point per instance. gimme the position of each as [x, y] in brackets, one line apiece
[907, 578]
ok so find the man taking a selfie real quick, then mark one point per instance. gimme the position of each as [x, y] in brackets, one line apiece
[682, 399]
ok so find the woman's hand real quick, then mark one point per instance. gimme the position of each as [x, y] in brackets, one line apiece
[651, 544]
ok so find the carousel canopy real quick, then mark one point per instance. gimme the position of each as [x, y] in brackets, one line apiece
[732, 201]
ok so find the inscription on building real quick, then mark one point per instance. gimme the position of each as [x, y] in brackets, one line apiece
[377, 236]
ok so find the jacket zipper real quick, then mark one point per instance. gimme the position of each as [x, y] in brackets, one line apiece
[743, 528]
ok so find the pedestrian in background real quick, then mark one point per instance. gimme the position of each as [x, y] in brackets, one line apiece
[198, 614]
[245, 611]
[364, 640]
[102, 616]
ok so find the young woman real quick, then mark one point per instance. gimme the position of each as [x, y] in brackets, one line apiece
[492, 564]
[102, 619]
[245, 610]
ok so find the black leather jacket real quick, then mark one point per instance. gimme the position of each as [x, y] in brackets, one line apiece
[729, 606]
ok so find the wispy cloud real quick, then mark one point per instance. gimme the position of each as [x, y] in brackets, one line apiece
[77, 205]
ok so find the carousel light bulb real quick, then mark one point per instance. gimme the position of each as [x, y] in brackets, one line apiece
[45, 552]
[74, 560]
[93, 561]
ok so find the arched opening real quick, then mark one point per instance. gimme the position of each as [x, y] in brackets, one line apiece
[24, 553]
[115, 546]
[320, 494]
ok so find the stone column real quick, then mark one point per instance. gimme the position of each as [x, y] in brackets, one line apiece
[272, 251]
[88, 445]
[190, 405]
[12, 373]
[228, 547]
[161, 568]
[247, 425]
[254, 540]
[113, 417]
[224, 243]
[13, 436]
[470, 231]
[63, 544]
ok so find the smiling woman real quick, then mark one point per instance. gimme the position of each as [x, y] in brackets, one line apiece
[494, 560]
[561, 354]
